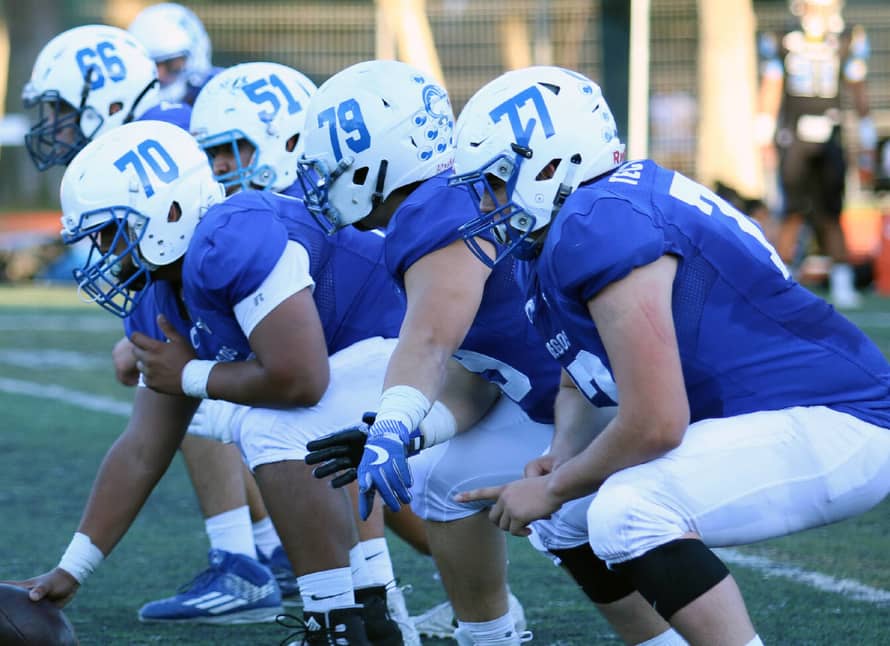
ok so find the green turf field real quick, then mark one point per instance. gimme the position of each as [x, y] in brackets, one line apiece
[50, 449]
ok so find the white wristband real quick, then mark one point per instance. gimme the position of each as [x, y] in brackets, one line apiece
[81, 557]
[403, 404]
[195, 375]
[438, 426]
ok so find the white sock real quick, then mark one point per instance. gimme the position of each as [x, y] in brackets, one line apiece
[669, 637]
[360, 572]
[327, 589]
[841, 277]
[755, 642]
[379, 562]
[495, 630]
[231, 531]
[265, 537]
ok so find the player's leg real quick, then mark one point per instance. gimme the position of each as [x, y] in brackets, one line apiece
[829, 191]
[470, 552]
[793, 173]
[270, 551]
[563, 537]
[732, 481]
[216, 472]
[315, 521]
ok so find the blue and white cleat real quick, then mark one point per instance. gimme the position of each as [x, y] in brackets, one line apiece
[284, 574]
[235, 589]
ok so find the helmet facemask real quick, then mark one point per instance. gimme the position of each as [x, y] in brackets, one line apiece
[114, 275]
[316, 181]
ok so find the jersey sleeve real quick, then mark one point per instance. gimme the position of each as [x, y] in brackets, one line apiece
[143, 318]
[603, 245]
[289, 276]
[179, 114]
[425, 224]
[234, 250]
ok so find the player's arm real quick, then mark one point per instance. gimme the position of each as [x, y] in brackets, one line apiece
[124, 362]
[634, 319]
[128, 473]
[772, 84]
[290, 367]
[443, 290]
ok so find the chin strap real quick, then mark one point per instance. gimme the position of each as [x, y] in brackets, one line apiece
[377, 195]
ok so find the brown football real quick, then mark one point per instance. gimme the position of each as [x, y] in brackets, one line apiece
[24, 622]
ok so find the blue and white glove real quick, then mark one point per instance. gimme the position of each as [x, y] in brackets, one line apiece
[384, 466]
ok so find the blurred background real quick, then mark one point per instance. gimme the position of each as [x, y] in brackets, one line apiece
[681, 76]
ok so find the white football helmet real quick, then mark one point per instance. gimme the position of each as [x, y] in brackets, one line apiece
[264, 103]
[542, 131]
[86, 81]
[138, 196]
[169, 30]
[370, 129]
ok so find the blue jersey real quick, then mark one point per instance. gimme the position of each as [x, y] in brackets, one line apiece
[179, 114]
[750, 339]
[500, 345]
[235, 247]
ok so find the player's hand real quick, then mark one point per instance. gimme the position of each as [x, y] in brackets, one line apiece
[517, 503]
[57, 586]
[338, 453]
[384, 467]
[866, 169]
[540, 466]
[124, 360]
[161, 362]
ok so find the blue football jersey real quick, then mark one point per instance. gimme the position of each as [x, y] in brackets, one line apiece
[179, 114]
[750, 338]
[500, 345]
[159, 298]
[238, 243]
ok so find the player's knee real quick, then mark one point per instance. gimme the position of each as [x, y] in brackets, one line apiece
[625, 521]
[675, 574]
[596, 580]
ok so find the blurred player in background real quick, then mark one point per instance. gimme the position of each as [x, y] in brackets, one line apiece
[747, 407]
[178, 42]
[804, 72]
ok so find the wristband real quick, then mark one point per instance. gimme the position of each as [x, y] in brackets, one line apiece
[81, 557]
[438, 426]
[195, 375]
[403, 404]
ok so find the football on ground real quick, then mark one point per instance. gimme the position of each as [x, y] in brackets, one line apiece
[26, 623]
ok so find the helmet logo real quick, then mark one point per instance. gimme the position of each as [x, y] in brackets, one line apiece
[261, 92]
[523, 130]
[349, 116]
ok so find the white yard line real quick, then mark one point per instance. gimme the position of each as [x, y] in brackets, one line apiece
[50, 358]
[69, 396]
[845, 587]
[60, 323]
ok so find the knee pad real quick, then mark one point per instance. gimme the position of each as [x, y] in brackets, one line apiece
[599, 583]
[674, 574]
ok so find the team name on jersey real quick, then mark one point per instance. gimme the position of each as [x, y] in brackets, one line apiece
[558, 344]
[628, 174]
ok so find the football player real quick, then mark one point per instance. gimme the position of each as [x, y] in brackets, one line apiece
[378, 153]
[85, 82]
[262, 296]
[178, 42]
[805, 73]
[747, 407]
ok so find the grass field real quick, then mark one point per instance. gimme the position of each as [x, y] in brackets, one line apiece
[826, 586]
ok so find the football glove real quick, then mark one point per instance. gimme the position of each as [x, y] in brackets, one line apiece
[339, 452]
[384, 466]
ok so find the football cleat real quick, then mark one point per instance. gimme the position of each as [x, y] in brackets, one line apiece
[513, 638]
[379, 625]
[284, 574]
[336, 627]
[235, 589]
[440, 622]
[398, 610]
